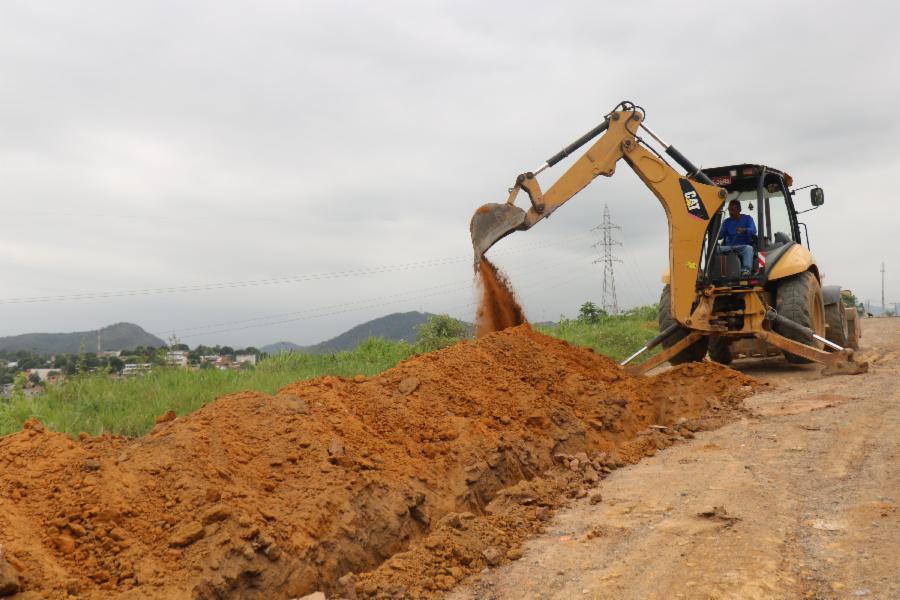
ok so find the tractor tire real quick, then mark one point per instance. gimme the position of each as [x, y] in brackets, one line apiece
[853, 331]
[836, 324]
[799, 298]
[720, 350]
[693, 353]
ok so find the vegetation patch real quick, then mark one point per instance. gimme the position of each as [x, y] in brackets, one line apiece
[95, 403]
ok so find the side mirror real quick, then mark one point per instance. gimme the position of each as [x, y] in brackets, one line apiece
[817, 196]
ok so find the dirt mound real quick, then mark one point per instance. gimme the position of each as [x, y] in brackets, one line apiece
[411, 479]
[498, 308]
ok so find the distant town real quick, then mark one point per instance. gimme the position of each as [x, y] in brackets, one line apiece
[31, 372]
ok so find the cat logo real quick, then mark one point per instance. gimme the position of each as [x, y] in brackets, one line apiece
[691, 265]
[692, 201]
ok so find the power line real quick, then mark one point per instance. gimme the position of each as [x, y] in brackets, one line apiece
[317, 312]
[203, 287]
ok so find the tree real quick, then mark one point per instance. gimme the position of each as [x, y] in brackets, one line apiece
[439, 331]
[590, 312]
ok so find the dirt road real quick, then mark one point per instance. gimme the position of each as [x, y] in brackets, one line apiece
[807, 489]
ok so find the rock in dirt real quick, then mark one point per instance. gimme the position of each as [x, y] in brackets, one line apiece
[217, 512]
[186, 535]
[314, 596]
[167, 416]
[408, 385]
[64, 544]
[718, 513]
[493, 555]
[9, 579]
[514, 554]
[596, 498]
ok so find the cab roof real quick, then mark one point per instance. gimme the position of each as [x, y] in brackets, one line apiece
[742, 177]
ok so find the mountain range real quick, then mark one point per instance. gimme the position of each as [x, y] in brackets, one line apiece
[121, 336]
[396, 326]
[127, 336]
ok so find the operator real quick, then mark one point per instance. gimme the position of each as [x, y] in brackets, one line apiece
[736, 235]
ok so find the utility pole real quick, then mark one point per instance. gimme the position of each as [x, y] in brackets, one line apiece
[609, 302]
[883, 306]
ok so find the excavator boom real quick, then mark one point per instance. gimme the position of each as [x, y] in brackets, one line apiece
[688, 200]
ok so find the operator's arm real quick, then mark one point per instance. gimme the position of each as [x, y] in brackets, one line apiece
[749, 225]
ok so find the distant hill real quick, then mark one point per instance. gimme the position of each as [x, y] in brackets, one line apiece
[280, 347]
[396, 326]
[121, 336]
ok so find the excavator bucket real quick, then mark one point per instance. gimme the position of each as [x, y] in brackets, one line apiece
[492, 222]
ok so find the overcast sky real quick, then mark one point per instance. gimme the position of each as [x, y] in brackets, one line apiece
[247, 172]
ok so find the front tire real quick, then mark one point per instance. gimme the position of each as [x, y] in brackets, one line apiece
[799, 298]
[693, 353]
[720, 350]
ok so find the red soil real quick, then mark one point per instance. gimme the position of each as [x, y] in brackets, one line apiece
[498, 308]
[394, 486]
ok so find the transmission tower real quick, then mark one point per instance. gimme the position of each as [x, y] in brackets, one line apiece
[609, 303]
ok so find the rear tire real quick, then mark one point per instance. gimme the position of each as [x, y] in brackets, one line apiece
[853, 332]
[799, 298]
[836, 324]
[693, 353]
[720, 350]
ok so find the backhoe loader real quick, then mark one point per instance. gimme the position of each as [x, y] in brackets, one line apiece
[709, 303]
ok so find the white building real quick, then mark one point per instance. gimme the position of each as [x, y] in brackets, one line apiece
[246, 359]
[177, 358]
[136, 369]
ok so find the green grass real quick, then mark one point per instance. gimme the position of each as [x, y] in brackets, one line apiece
[614, 336]
[95, 403]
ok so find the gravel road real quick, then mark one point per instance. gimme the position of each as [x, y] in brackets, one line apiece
[796, 500]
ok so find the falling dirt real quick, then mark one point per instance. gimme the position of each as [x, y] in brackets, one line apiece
[394, 486]
[498, 308]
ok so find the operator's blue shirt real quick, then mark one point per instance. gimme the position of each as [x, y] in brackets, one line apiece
[730, 236]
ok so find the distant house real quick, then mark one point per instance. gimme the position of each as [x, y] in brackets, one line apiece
[132, 369]
[245, 359]
[12, 364]
[109, 353]
[177, 359]
[45, 375]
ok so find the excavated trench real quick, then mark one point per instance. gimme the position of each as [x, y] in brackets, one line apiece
[394, 486]
[410, 480]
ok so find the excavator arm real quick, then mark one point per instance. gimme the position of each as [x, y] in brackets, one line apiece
[689, 200]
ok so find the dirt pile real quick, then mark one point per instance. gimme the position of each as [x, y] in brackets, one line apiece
[393, 486]
[498, 308]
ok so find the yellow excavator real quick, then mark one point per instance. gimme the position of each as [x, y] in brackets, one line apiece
[710, 303]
